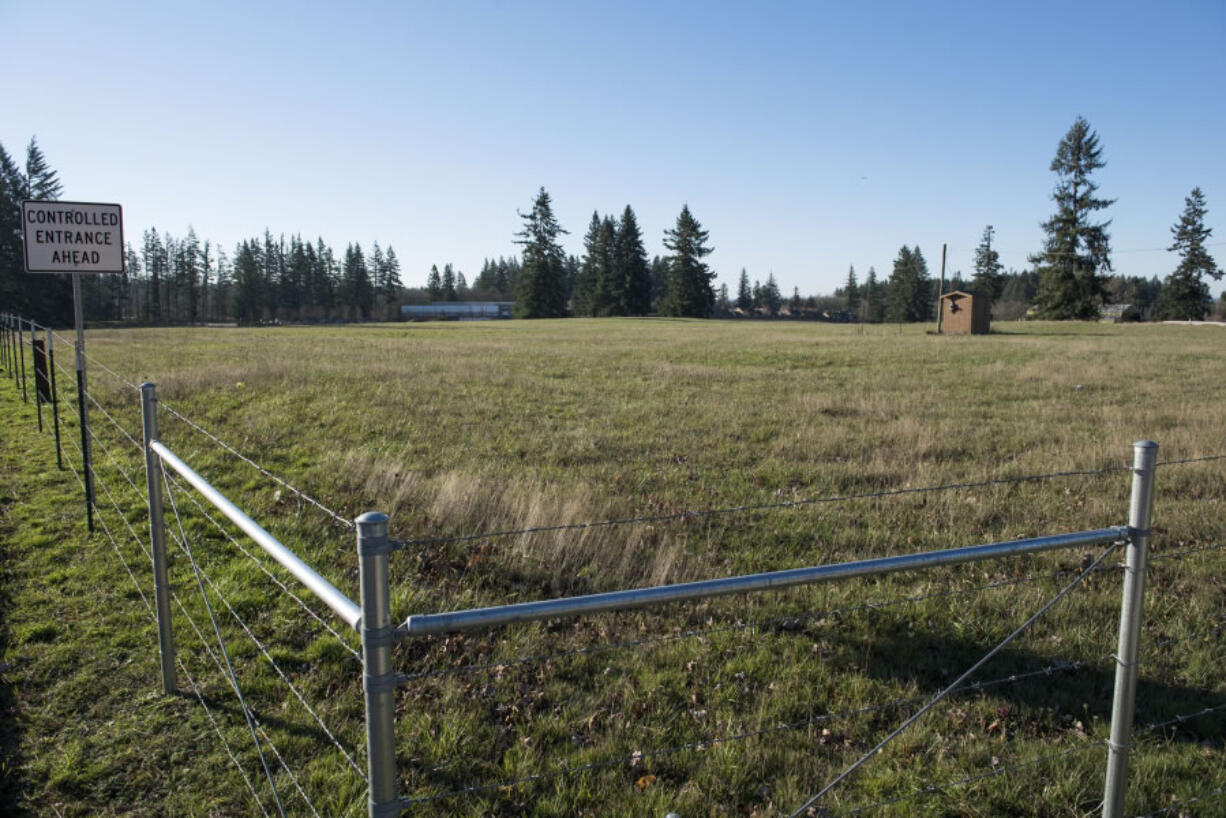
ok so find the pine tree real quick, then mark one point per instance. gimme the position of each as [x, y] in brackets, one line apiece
[610, 278]
[909, 291]
[989, 272]
[391, 275]
[584, 292]
[542, 290]
[449, 284]
[689, 279]
[1076, 251]
[772, 298]
[1185, 295]
[744, 294]
[42, 182]
[630, 257]
[874, 298]
[851, 291]
[434, 284]
[247, 282]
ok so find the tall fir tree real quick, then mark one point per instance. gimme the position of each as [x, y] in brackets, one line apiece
[542, 287]
[1185, 295]
[690, 293]
[450, 291]
[909, 292]
[874, 298]
[989, 276]
[1076, 252]
[631, 258]
[585, 293]
[744, 293]
[772, 298]
[434, 284]
[851, 292]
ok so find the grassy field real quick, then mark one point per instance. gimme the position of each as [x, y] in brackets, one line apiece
[740, 706]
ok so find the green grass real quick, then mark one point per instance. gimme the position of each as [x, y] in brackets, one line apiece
[456, 429]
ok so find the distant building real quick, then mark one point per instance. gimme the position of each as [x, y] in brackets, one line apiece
[966, 313]
[457, 311]
[1115, 313]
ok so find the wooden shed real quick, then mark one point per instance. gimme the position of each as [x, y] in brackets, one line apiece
[966, 313]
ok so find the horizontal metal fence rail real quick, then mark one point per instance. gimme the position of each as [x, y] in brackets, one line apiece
[329, 594]
[478, 618]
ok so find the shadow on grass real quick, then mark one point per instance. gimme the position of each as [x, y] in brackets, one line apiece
[932, 661]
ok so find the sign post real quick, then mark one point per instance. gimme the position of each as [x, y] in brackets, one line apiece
[75, 237]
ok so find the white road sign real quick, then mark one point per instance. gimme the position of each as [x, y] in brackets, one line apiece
[72, 237]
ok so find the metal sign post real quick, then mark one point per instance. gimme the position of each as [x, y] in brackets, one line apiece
[75, 237]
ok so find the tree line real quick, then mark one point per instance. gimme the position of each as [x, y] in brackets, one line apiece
[185, 280]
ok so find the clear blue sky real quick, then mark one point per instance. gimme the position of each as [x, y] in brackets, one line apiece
[805, 137]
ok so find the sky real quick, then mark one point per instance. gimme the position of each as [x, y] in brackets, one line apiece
[805, 137]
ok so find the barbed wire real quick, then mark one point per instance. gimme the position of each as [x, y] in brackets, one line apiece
[1164, 555]
[90, 395]
[233, 677]
[786, 504]
[1059, 666]
[286, 767]
[954, 685]
[301, 494]
[763, 624]
[217, 729]
[305, 607]
[184, 546]
[1186, 460]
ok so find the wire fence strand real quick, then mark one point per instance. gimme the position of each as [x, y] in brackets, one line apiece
[183, 545]
[233, 677]
[742, 509]
[953, 685]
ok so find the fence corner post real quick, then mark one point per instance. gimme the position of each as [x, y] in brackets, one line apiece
[378, 680]
[157, 538]
[1132, 616]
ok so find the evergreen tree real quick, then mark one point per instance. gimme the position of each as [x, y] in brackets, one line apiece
[610, 278]
[744, 294]
[772, 298]
[434, 284]
[659, 281]
[449, 284]
[689, 279]
[1076, 251]
[794, 305]
[247, 282]
[41, 182]
[1185, 296]
[584, 293]
[873, 308]
[630, 257]
[356, 290]
[542, 288]
[909, 292]
[391, 275]
[851, 291]
[989, 276]
[722, 301]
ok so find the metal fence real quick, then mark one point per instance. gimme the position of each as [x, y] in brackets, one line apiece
[168, 476]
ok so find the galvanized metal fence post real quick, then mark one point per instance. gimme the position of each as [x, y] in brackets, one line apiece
[157, 537]
[1132, 616]
[55, 400]
[378, 680]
